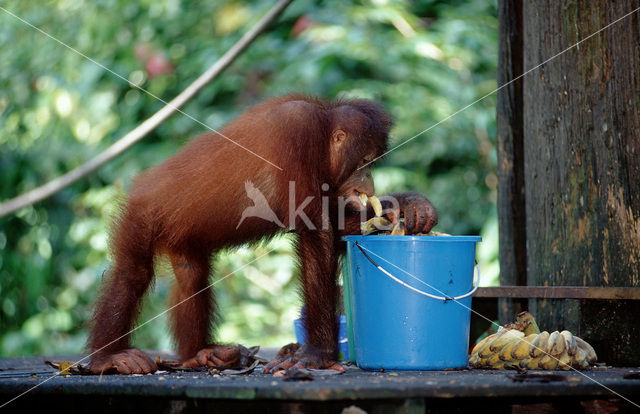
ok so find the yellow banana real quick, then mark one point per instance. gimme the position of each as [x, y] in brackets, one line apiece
[494, 360]
[564, 361]
[375, 204]
[512, 365]
[530, 363]
[580, 359]
[374, 225]
[481, 345]
[557, 344]
[522, 348]
[482, 363]
[588, 349]
[398, 229]
[505, 352]
[548, 362]
[507, 337]
[474, 359]
[571, 342]
[433, 233]
[363, 199]
[539, 345]
[521, 345]
[486, 352]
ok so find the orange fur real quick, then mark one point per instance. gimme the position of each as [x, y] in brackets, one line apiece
[188, 207]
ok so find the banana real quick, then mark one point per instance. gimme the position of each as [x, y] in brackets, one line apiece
[434, 233]
[522, 348]
[571, 342]
[539, 345]
[485, 351]
[548, 362]
[505, 352]
[530, 363]
[564, 361]
[375, 204]
[398, 229]
[557, 344]
[520, 345]
[508, 336]
[363, 199]
[588, 349]
[512, 365]
[474, 359]
[482, 363]
[374, 225]
[480, 345]
[528, 323]
[580, 359]
[493, 360]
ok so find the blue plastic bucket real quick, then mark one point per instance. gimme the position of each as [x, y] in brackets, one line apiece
[410, 299]
[343, 345]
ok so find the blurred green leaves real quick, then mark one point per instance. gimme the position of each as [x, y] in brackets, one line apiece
[423, 59]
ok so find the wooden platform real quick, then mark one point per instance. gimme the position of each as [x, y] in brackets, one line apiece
[426, 391]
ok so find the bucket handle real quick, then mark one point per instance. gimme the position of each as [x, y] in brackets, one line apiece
[429, 295]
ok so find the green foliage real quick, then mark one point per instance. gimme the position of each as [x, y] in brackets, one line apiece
[423, 59]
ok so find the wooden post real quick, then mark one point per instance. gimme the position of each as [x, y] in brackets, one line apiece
[511, 203]
[581, 138]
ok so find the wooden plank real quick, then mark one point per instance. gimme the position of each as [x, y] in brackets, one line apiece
[511, 204]
[582, 145]
[355, 386]
[559, 292]
[582, 165]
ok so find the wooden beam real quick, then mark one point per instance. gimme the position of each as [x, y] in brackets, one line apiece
[559, 292]
[512, 223]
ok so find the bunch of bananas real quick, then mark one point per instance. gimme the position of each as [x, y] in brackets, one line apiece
[521, 345]
[379, 225]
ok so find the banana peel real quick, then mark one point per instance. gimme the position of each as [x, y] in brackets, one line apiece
[375, 225]
[380, 225]
[521, 345]
[376, 205]
[373, 201]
